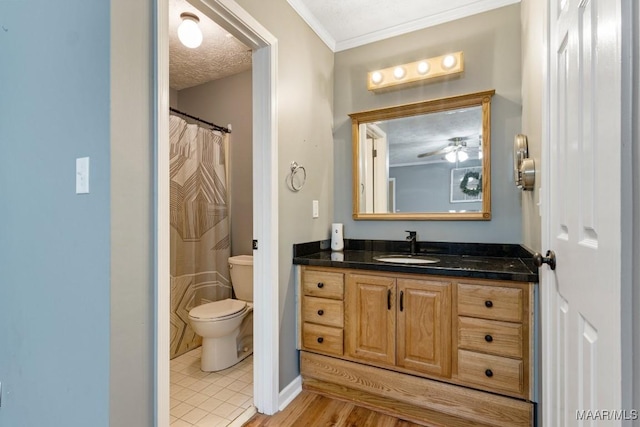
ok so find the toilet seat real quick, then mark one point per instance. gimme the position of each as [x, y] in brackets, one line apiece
[218, 310]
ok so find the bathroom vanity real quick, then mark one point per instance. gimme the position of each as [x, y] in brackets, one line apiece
[447, 343]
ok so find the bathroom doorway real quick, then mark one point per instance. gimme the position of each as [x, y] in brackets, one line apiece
[237, 22]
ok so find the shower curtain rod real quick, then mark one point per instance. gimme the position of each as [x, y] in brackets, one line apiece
[214, 126]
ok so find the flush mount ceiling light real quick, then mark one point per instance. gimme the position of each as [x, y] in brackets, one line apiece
[189, 32]
[416, 72]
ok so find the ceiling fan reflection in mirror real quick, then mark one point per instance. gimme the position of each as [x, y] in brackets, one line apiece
[457, 149]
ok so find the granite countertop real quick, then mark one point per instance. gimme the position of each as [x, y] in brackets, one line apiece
[473, 260]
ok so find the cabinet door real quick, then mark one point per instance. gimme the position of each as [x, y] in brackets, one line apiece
[370, 319]
[424, 326]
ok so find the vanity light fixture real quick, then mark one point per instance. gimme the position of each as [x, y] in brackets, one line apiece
[416, 72]
[189, 32]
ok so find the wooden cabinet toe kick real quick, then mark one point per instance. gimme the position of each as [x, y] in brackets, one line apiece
[419, 400]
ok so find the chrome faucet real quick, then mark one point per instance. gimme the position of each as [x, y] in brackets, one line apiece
[411, 238]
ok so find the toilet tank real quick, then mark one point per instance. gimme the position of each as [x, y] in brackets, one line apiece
[241, 269]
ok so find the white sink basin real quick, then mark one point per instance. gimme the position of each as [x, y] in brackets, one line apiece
[407, 259]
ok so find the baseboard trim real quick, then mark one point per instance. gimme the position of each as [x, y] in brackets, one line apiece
[290, 392]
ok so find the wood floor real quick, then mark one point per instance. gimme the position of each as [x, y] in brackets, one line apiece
[313, 410]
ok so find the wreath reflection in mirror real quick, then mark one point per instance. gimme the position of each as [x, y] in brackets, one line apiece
[466, 185]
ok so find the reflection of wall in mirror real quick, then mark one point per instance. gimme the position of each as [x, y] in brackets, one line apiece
[414, 192]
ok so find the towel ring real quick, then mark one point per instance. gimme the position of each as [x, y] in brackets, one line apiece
[295, 168]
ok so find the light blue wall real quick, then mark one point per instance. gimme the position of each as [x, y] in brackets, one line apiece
[54, 244]
[491, 45]
[414, 193]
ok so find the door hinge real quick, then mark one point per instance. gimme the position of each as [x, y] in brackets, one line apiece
[375, 153]
[255, 244]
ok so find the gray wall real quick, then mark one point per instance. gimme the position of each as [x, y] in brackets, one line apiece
[173, 98]
[228, 101]
[132, 346]
[305, 101]
[412, 195]
[55, 250]
[491, 45]
[533, 27]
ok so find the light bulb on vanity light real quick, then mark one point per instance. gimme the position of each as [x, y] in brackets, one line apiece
[448, 62]
[189, 32]
[376, 77]
[423, 68]
[462, 156]
[398, 72]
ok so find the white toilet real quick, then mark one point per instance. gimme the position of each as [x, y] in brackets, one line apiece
[226, 326]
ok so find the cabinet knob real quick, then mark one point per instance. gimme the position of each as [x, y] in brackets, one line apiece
[488, 303]
[488, 373]
[320, 312]
[488, 338]
[320, 340]
[320, 285]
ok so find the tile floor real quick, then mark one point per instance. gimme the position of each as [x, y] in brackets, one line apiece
[208, 399]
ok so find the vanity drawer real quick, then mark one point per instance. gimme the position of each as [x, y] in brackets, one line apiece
[323, 284]
[490, 302]
[497, 373]
[323, 338]
[323, 311]
[490, 336]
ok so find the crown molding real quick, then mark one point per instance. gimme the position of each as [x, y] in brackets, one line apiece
[418, 24]
[304, 12]
[427, 21]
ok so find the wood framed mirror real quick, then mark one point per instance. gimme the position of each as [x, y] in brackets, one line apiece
[428, 160]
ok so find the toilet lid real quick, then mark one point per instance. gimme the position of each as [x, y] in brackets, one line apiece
[218, 309]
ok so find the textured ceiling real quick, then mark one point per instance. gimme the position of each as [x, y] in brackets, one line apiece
[411, 136]
[343, 24]
[219, 55]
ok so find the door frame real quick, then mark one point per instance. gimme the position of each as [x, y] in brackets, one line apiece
[230, 16]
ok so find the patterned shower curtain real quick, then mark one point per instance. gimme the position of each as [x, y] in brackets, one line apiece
[200, 241]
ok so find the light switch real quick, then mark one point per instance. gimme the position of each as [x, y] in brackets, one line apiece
[82, 175]
[316, 209]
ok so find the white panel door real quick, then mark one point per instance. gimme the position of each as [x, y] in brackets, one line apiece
[581, 321]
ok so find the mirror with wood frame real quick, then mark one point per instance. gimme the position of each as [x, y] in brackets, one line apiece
[428, 160]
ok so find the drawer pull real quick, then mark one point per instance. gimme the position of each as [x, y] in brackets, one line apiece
[320, 312]
[488, 372]
[320, 285]
[320, 340]
[488, 303]
[488, 338]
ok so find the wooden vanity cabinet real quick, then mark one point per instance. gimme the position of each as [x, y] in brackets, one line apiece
[371, 318]
[424, 326]
[493, 334]
[433, 350]
[399, 322]
[322, 311]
